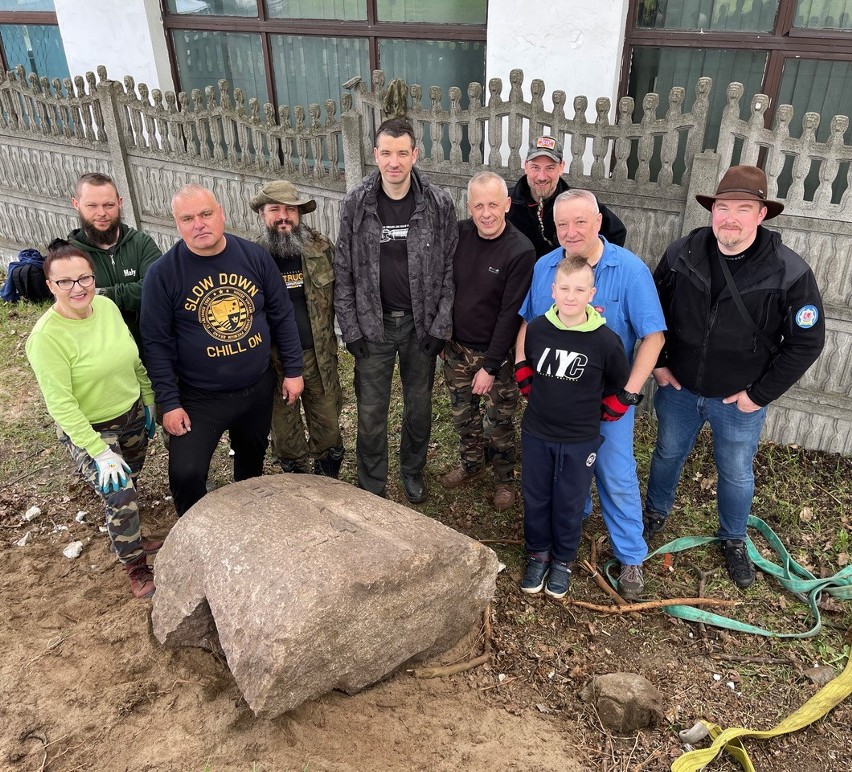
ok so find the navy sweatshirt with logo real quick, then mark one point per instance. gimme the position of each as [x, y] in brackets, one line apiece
[211, 322]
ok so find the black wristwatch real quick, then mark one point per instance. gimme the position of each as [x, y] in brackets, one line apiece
[630, 398]
[492, 371]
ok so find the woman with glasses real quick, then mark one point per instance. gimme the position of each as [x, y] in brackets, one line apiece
[96, 389]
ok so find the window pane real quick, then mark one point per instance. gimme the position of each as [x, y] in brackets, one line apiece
[205, 57]
[441, 63]
[660, 69]
[311, 69]
[214, 7]
[746, 15]
[824, 14]
[822, 87]
[343, 10]
[37, 47]
[26, 5]
[435, 11]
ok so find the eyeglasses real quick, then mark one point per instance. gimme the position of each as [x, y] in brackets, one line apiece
[66, 284]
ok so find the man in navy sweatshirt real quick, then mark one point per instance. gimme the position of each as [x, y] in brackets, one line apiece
[212, 308]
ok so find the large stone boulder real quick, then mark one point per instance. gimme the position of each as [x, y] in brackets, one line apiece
[307, 584]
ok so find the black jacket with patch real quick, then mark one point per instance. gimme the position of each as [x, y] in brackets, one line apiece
[709, 348]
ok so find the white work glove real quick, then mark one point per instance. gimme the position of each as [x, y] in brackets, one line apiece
[112, 471]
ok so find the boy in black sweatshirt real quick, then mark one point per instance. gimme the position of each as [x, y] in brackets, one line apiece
[574, 369]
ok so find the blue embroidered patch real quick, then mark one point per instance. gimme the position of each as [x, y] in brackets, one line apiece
[807, 317]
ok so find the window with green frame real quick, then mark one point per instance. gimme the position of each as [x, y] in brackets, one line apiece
[291, 52]
[798, 52]
[29, 36]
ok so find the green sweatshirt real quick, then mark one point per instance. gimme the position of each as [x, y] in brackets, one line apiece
[88, 370]
[120, 275]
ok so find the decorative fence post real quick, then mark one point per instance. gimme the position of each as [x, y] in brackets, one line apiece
[114, 129]
[353, 132]
[702, 181]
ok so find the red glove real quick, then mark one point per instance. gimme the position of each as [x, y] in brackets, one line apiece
[612, 408]
[524, 377]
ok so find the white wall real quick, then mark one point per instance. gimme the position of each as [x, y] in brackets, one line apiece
[572, 45]
[127, 37]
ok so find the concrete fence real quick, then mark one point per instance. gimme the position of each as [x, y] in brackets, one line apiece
[647, 165]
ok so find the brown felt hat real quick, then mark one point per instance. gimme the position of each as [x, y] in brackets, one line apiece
[743, 183]
[282, 192]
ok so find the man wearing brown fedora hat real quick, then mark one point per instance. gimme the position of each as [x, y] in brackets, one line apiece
[304, 257]
[745, 321]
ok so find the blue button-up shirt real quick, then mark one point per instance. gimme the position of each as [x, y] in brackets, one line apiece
[625, 293]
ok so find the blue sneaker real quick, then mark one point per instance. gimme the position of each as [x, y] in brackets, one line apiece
[537, 566]
[558, 579]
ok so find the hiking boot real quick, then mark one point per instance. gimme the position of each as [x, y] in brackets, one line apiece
[415, 487]
[141, 578]
[504, 496]
[460, 476]
[151, 546]
[295, 465]
[740, 567]
[652, 524]
[558, 579]
[631, 584]
[538, 564]
[329, 466]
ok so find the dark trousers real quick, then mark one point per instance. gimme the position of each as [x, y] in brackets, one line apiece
[373, 379]
[555, 480]
[245, 414]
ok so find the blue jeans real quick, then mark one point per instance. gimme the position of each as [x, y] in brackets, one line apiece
[680, 416]
[373, 379]
[618, 489]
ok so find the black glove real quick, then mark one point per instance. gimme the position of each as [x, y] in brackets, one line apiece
[358, 348]
[432, 346]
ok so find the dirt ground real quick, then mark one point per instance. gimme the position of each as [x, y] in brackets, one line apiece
[86, 686]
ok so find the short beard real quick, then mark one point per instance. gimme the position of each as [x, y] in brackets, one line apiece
[99, 238]
[286, 244]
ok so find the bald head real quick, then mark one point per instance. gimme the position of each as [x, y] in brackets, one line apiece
[200, 220]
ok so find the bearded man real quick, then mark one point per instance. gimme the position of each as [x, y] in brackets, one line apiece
[121, 255]
[534, 195]
[304, 258]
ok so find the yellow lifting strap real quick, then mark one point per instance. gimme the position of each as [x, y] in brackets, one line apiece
[832, 694]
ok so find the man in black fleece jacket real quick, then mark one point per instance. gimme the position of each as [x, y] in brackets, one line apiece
[723, 364]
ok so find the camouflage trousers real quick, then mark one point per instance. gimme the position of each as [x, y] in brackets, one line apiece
[484, 435]
[126, 436]
[321, 410]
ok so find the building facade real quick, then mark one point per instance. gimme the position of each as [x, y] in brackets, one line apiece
[299, 52]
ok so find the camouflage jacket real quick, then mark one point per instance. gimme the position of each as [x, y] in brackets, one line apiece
[318, 275]
[432, 238]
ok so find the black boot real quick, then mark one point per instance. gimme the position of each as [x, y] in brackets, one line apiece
[295, 465]
[329, 466]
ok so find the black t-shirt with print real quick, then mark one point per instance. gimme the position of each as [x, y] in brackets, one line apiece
[393, 251]
[291, 272]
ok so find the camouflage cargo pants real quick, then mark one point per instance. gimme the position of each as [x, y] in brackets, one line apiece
[321, 409]
[126, 436]
[484, 435]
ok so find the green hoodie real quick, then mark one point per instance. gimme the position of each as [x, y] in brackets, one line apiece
[593, 320]
[119, 276]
